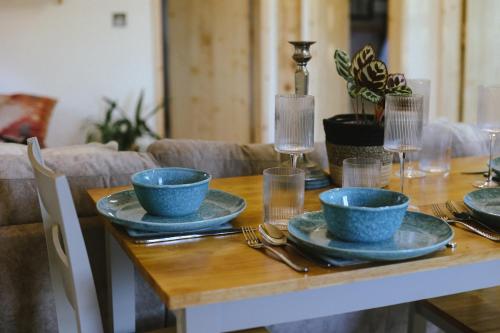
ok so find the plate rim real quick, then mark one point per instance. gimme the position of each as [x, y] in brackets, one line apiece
[474, 208]
[402, 251]
[493, 167]
[162, 224]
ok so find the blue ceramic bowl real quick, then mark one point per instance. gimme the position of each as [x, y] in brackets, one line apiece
[363, 214]
[171, 192]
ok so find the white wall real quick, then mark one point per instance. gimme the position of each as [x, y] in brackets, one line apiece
[70, 51]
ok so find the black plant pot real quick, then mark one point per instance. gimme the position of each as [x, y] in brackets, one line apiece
[346, 138]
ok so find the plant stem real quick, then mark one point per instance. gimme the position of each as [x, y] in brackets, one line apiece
[363, 111]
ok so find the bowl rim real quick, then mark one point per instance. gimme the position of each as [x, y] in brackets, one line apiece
[207, 176]
[369, 209]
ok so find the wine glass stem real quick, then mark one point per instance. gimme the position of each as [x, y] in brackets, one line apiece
[402, 169]
[295, 158]
[492, 143]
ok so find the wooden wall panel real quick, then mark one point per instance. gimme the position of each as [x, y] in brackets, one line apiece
[264, 23]
[228, 59]
[289, 26]
[326, 22]
[209, 69]
[424, 38]
[482, 52]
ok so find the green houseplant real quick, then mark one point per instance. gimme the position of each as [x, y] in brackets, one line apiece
[361, 132]
[122, 129]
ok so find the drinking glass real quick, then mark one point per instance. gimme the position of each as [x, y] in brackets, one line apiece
[283, 195]
[435, 156]
[403, 126]
[419, 87]
[488, 119]
[361, 172]
[294, 125]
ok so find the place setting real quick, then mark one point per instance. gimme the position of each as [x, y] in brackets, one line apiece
[169, 204]
[359, 222]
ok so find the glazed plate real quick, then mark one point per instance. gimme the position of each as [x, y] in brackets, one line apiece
[218, 208]
[495, 165]
[419, 234]
[485, 203]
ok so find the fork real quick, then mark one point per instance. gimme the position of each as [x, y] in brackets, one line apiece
[443, 216]
[254, 242]
[465, 215]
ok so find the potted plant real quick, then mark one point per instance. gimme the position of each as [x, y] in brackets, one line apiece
[361, 133]
[123, 130]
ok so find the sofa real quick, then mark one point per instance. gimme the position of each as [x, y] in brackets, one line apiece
[25, 290]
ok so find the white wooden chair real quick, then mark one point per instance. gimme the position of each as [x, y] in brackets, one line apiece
[72, 281]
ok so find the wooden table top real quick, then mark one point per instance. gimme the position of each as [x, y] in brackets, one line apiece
[217, 269]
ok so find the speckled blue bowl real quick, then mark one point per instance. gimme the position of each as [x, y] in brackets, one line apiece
[363, 214]
[171, 192]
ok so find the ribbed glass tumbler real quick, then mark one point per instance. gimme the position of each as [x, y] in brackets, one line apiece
[283, 195]
[294, 124]
[361, 172]
[436, 149]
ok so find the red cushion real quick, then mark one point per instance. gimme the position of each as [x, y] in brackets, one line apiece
[23, 116]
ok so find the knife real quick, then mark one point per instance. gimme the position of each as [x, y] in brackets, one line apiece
[177, 237]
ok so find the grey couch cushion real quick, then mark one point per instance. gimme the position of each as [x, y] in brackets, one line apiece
[86, 166]
[223, 159]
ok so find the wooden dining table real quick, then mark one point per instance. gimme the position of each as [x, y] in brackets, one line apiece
[218, 284]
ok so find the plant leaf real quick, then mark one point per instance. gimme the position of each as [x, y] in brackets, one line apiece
[361, 59]
[405, 91]
[138, 107]
[369, 95]
[154, 111]
[395, 81]
[109, 101]
[373, 76]
[352, 88]
[343, 64]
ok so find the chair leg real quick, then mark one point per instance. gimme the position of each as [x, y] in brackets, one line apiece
[416, 322]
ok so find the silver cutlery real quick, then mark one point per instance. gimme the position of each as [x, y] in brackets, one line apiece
[464, 215]
[473, 172]
[443, 216]
[254, 242]
[275, 236]
[172, 238]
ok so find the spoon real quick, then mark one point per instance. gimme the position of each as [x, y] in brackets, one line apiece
[275, 236]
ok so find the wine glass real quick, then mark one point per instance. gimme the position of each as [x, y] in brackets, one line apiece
[403, 127]
[488, 119]
[420, 87]
[294, 125]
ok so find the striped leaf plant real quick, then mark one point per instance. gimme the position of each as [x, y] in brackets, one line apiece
[368, 81]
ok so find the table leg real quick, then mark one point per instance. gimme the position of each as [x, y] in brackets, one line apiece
[121, 288]
[416, 322]
[194, 321]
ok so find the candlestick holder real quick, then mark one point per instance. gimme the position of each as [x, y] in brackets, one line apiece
[314, 176]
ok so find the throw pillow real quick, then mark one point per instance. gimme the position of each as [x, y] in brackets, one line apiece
[23, 116]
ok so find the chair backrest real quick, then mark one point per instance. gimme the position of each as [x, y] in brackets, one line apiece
[72, 282]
